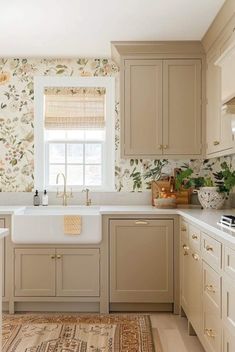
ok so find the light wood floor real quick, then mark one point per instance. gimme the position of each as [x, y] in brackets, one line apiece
[173, 333]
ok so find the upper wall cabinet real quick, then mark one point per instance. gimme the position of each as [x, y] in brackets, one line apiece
[218, 42]
[161, 100]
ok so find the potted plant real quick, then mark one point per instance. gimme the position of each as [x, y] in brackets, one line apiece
[213, 194]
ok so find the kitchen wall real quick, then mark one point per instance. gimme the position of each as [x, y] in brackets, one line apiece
[17, 125]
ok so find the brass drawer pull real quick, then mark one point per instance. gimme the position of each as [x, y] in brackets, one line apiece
[216, 142]
[194, 237]
[58, 256]
[210, 288]
[141, 222]
[195, 256]
[210, 333]
[185, 247]
[183, 229]
[209, 248]
[53, 257]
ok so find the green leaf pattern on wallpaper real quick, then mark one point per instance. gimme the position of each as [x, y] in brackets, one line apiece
[17, 125]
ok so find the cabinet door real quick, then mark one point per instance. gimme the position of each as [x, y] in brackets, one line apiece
[195, 289]
[35, 272]
[228, 303]
[228, 341]
[212, 327]
[184, 267]
[141, 261]
[218, 127]
[142, 108]
[2, 225]
[77, 272]
[182, 107]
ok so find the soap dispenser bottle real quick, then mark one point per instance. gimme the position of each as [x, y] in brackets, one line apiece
[36, 199]
[45, 198]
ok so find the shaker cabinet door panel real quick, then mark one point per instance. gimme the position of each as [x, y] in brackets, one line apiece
[182, 107]
[77, 272]
[141, 261]
[142, 108]
[35, 272]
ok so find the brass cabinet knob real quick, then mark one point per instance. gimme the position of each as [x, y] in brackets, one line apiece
[194, 237]
[58, 256]
[210, 333]
[195, 256]
[216, 142]
[52, 257]
[210, 288]
[209, 248]
[185, 247]
[183, 229]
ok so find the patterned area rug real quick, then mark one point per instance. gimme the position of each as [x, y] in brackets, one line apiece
[73, 333]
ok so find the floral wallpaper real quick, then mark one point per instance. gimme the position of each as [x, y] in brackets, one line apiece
[17, 126]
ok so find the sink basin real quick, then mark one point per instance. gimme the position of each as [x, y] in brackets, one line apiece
[45, 225]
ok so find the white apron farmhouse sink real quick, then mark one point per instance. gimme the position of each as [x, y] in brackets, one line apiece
[45, 225]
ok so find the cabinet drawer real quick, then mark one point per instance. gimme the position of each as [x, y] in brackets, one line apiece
[228, 303]
[212, 286]
[211, 250]
[229, 262]
[194, 237]
[228, 341]
[211, 326]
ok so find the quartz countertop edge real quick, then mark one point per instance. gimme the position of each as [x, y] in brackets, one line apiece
[206, 219]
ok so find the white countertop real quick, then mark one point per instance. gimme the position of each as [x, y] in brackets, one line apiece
[3, 233]
[206, 219]
[10, 209]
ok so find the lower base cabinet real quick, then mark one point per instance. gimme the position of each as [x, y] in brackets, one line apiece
[141, 261]
[228, 341]
[56, 272]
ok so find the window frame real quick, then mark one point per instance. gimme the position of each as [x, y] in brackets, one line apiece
[108, 167]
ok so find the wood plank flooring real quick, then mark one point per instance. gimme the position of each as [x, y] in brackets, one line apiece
[173, 333]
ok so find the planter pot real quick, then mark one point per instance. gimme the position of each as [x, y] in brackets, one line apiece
[210, 198]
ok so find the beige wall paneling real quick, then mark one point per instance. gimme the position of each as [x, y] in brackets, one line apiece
[182, 107]
[141, 261]
[77, 272]
[35, 272]
[142, 108]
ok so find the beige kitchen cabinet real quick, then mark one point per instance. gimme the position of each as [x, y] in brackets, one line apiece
[77, 272]
[182, 107]
[184, 268]
[35, 272]
[218, 126]
[161, 108]
[142, 108]
[141, 261]
[195, 289]
[56, 272]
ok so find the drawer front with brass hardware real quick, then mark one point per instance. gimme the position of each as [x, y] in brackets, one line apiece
[212, 251]
[211, 326]
[212, 286]
[194, 237]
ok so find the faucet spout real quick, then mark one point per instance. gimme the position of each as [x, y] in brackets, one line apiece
[63, 195]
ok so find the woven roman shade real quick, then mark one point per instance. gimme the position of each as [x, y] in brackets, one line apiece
[74, 108]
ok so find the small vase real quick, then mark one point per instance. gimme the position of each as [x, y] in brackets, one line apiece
[210, 198]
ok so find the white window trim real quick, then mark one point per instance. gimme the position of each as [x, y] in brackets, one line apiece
[40, 83]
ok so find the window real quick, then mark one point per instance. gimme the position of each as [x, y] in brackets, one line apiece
[74, 133]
